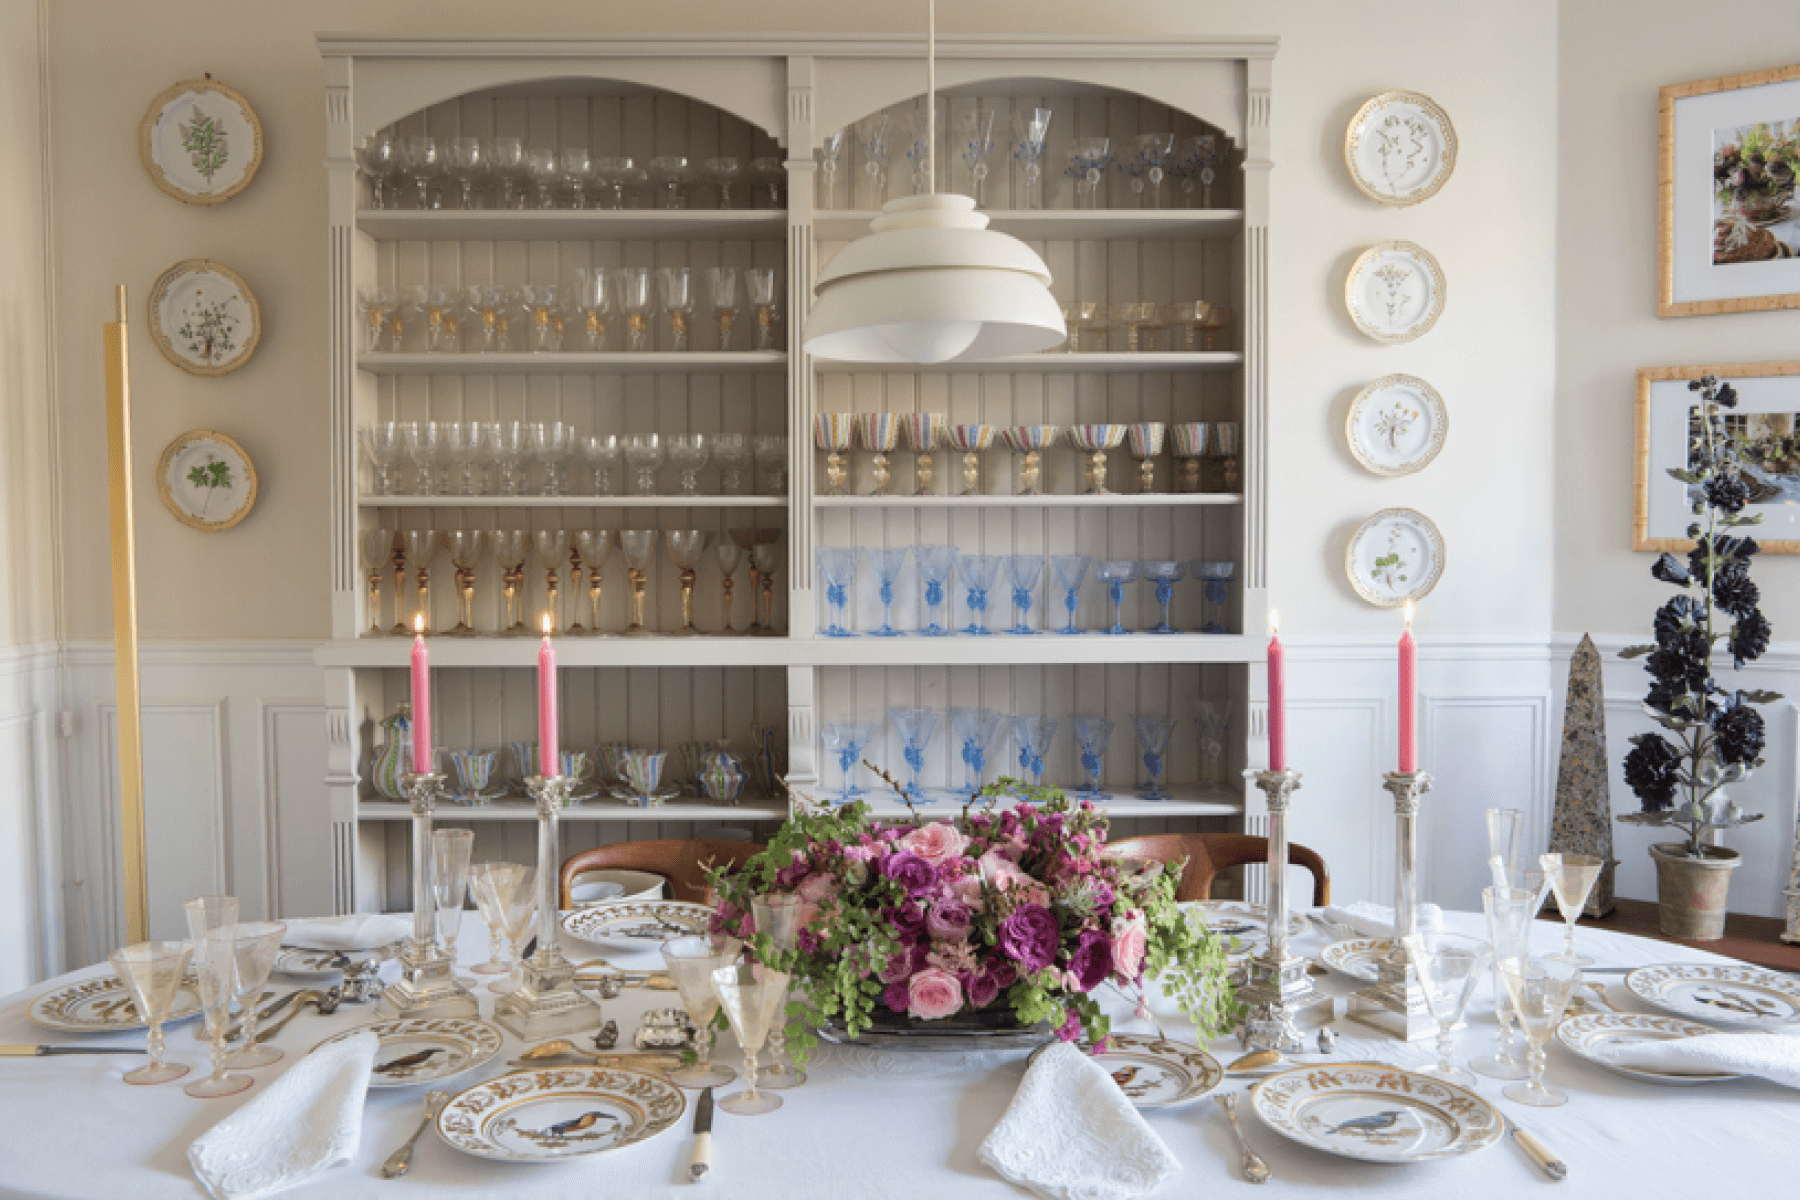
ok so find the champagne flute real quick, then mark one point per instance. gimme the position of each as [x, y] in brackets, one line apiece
[730, 556]
[1510, 913]
[152, 973]
[778, 915]
[1572, 877]
[515, 902]
[675, 286]
[1540, 989]
[639, 547]
[254, 946]
[723, 283]
[485, 891]
[1503, 828]
[691, 962]
[760, 282]
[450, 883]
[750, 995]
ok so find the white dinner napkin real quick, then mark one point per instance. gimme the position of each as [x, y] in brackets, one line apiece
[354, 931]
[1377, 920]
[1774, 1057]
[1070, 1134]
[309, 1121]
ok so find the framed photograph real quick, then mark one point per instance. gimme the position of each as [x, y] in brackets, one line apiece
[1766, 421]
[1729, 221]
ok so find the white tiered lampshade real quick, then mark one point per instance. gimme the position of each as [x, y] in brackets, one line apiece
[932, 283]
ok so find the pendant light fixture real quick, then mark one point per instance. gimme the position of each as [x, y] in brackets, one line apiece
[932, 283]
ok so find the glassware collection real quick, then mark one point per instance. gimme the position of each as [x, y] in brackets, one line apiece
[639, 777]
[987, 580]
[1189, 442]
[1192, 326]
[600, 309]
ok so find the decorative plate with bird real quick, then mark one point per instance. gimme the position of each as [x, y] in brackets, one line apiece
[636, 924]
[1720, 993]
[418, 1050]
[557, 1113]
[102, 1005]
[1156, 1073]
[1376, 1112]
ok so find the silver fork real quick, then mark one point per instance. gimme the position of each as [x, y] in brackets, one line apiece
[400, 1161]
[1255, 1169]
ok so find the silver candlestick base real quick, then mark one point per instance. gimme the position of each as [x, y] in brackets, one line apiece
[548, 1005]
[1395, 1003]
[1279, 998]
[427, 985]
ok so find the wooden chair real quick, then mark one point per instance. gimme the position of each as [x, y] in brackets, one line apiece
[1209, 853]
[679, 862]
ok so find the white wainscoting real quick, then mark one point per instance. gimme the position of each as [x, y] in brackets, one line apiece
[31, 908]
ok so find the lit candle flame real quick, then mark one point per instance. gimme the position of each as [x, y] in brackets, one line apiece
[1409, 614]
[1274, 622]
[419, 623]
[546, 624]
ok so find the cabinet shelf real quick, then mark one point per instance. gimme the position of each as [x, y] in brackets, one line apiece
[572, 501]
[561, 225]
[593, 810]
[1184, 801]
[1053, 362]
[1068, 225]
[1113, 500]
[567, 362]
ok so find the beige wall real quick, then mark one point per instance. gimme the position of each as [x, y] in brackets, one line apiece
[1615, 55]
[1492, 66]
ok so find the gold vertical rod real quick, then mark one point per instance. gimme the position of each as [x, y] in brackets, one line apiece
[125, 625]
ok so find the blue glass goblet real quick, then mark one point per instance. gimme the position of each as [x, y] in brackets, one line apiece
[935, 565]
[1213, 576]
[1153, 743]
[837, 567]
[974, 730]
[1071, 570]
[1165, 575]
[1092, 733]
[1024, 570]
[1033, 735]
[887, 565]
[916, 727]
[1115, 574]
[977, 572]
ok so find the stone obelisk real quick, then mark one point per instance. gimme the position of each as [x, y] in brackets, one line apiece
[1582, 823]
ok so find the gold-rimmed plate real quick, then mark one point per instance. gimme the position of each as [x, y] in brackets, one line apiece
[1396, 425]
[558, 1113]
[1154, 1072]
[1720, 993]
[1400, 148]
[1591, 1036]
[1376, 1113]
[102, 1005]
[201, 142]
[636, 925]
[204, 317]
[1359, 958]
[417, 1050]
[1235, 918]
[1395, 556]
[1395, 291]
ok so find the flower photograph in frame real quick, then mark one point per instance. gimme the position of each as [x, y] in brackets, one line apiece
[1765, 426]
[1729, 216]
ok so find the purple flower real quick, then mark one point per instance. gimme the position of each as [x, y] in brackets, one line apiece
[1004, 973]
[897, 996]
[1092, 961]
[983, 990]
[949, 919]
[1071, 1027]
[909, 871]
[1030, 936]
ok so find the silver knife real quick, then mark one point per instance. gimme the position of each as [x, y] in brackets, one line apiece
[41, 1051]
[701, 1161]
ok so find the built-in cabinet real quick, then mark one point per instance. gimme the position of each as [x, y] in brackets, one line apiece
[777, 97]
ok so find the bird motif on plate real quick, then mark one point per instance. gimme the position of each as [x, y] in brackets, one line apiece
[407, 1064]
[1369, 1126]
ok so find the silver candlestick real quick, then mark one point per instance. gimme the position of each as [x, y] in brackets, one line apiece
[548, 1004]
[1279, 997]
[427, 985]
[1395, 1002]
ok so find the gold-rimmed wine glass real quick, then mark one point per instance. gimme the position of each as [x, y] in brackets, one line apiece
[750, 996]
[376, 547]
[595, 547]
[675, 287]
[730, 555]
[466, 547]
[511, 548]
[216, 972]
[152, 973]
[552, 549]
[778, 915]
[685, 548]
[421, 548]
[749, 540]
[691, 962]
[639, 547]
[254, 945]
[594, 300]
[636, 300]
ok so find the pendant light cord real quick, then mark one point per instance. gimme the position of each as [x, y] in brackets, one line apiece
[931, 97]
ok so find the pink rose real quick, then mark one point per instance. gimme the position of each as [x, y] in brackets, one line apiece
[1000, 871]
[968, 890]
[932, 995]
[1130, 940]
[816, 889]
[935, 842]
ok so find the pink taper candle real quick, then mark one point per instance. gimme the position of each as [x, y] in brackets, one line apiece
[1277, 698]
[549, 758]
[1409, 758]
[421, 699]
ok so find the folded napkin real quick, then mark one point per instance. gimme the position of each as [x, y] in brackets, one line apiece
[1070, 1134]
[309, 1121]
[356, 931]
[1377, 920]
[1774, 1057]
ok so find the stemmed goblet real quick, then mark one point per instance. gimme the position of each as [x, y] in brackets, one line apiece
[1540, 989]
[544, 316]
[778, 914]
[1031, 131]
[506, 163]
[760, 283]
[376, 547]
[1029, 440]
[466, 547]
[1449, 966]
[594, 301]
[1213, 575]
[669, 175]
[644, 453]
[1572, 877]
[688, 453]
[450, 883]
[886, 565]
[978, 572]
[1024, 571]
[972, 441]
[974, 730]
[551, 444]
[751, 996]
[831, 160]
[751, 540]
[1212, 721]
[1196, 162]
[215, 967]
[880, 433]
[422, 449]
[675, 286]
[462, 448]
[1135, 318]
[400, 627]
[465, 161]
[874, 138]
[833, 432]
[1153, 750]
[253, 946]
[1510, 913]
[691, 961]
[1225, 445]
[685, 548]
[375, 304]
[511, 548]
[1165, 574]
[731, 454]
[1083, 314]
[936, 562]
[419, 158]
[924, 431]
[616, 174]
[770, 452]
[975, 145]
[577, 165]
[1145, 442]
[378, 156]
[639, 547]
[421, 548]
[152, 973]
[552, 547]
[1094, 441]
[514, 902]
[730, 554]
[1152, 153]
[494, 324]
[603, 452]
[1088, 159]
[595, 547]
[1115, 574]
[1033, 735]
[723, 284]
[766, 556]
[636, 299]
[837, 567]
[1092, 733]
[487, 883]
[916, 727]
[1190, 445]
[1071, 571]
[722, 171]
[507, 443]
[845, 741]
[544, 168]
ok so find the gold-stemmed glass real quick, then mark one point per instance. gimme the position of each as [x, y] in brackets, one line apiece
[1190, 438]
[767, 557]
[1094, 441]
[750, 995]
[513, 898]
[778, 915]
[730, 555]
[552, 549]
[1031, 441]
[421, 548]
[691, 962]
[924, 433]
[1144, 439]
[832, 433]
[636, 299]
[466, 547]
[723, 283]
[594, 301]
[152, 973]
[595, 547]
[760, 282]
[511, 548]
[880, 434]
[254, 946]
[749, 540]
[485, 893]
[575, 628]
[376, 547]
[685, 548]
[1217, 321]
[1134, 317]
[639, 547]
[1083, 314]
[216, 970]
[971, 441]
[675, 286]
[1187, 318]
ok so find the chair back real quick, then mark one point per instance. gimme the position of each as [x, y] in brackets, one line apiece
[1209, 853]
[682, 862]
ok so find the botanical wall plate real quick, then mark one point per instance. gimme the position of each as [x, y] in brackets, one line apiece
[201, 142]
[206, 480]
[1395, 556]
[1396, 425]
[204, 317]
[1400, 148]
[1395, 291]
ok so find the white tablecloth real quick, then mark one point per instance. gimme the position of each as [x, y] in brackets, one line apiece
[886, 1126]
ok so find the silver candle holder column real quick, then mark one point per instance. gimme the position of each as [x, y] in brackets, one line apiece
[1279, 998]
[1395, 1003]
[427, 985]
[548, 1005]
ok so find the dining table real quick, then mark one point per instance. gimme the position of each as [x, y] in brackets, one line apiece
[885, 1124]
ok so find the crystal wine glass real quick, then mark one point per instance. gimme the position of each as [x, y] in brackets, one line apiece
[978, 572]
[506, 162]
[916, 727]
[1071, 571]
[487, 883]
[604, 453]
[467, 547]
[685, 548]
[542, 317]
[616, 175]
[514, 901]
[635, 298]
[765, 556]
[1225, 448]
[974, 146]
[1213, 575]
[731, 454]
[778, 914]
[376, 547]
[1033, 735]
[493, 325]
[1449, 965]
[639, 548]
[675, 286]
[577, 170]
[832, 432]
[886, 565]
[595, 547]
[760, 283]
[974, 730]
[450, 883]
[253, 946]
[1212, 719]
[1153, 748]
[723, 171]
[688, 453]
[462, 445]
[465, 161]
[594, 301]
[420, 158]
[837, 567]
[215, 967]
[551, 444]
[552, 546]
[644, 453]
[1088, 159]
[1190, 446]
[511, 548]
[1510, 913]
[421, 549]
[1115, 574]
[1151, 155]
[845, 741]
[722, 284]
[1196, 161]
[378, 156]
[730, 555]
[1030, 440]
[1092, 733]
[507, 443]
[1540, 989]
[1144, 440]
[936, 562]
[422, 449]
[874, 139]
[1031, 131]
[151, 973]
[544, 168]
[972, 441]
[751, 996]
[375, 305]
[770, 451]
[691, 962]
[1503, 828]
[386, 440]
[768, 178]
[1165, 575]
[880, 433]
[1024, 571]
[911, 133]
[1572, 877]
[1094, 441]
[669, 175]
[924, 432]
[831, 160]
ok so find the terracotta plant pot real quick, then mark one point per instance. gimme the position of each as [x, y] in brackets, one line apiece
[1691, 892]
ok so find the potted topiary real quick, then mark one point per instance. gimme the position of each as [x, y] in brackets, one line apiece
[1712, 736]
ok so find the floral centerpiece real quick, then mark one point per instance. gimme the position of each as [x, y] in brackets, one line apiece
[1009, 914]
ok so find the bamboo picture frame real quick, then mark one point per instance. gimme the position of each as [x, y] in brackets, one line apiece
[1691, 281]
[1765, 389]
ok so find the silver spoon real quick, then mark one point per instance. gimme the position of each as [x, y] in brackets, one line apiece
[400, 1161]
[1255, 1169]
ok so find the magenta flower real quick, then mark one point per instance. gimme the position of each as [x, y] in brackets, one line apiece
[1030, 937]
[1092, 961]
[909, 871]
[983, 990]
[896, 996]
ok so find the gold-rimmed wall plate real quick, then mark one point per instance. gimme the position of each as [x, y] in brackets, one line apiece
[206, 480]
[1396, 425]
[1400, 148]
[201, 142]
[1395, 556]
[1395, 291]
[204, 317]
